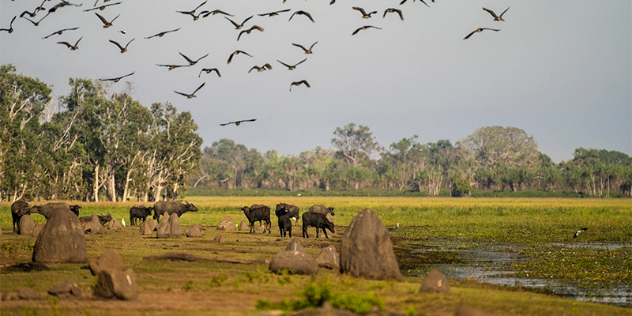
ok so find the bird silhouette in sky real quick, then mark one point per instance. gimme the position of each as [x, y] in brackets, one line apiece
[496, 18]
[393, 10]
[365, 28]
[72, 47]
[102, 7]
[191, 61]
[298, 83]
[237, 52]
[254, 27]
[60, 32]
[307, 51]
[123, 49]
[106, 24]
[239, 26]
[117, 79]
[10, 29]
[292, 67]
[192, 95]
[364, 14]
[237, 122]
[214, 12]
[275, 13]
[301, 12]
[478, 30]
[260, 69]
[209, 70]
[161, 34]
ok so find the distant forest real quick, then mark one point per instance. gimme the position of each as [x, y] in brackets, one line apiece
[94, 144]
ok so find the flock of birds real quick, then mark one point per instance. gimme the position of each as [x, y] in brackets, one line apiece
[195, 14]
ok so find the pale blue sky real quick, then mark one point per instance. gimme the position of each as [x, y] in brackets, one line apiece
[560, 70]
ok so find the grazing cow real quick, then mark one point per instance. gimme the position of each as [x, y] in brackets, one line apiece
[322, 209]
[285, 225]
[138, 213]
[316, 220]
[179, 208]
[19, 209]
[258, 212]
[103, 219]
[286, 209]
[75, 209]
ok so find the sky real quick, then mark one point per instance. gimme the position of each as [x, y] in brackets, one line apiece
[560, 70]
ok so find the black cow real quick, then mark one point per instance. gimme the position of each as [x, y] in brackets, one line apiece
[285, 225]
[258, 212]
[316, 220]
[103, 219]
[75, 209]
[286, 209]
[322, 209]
[19, 209]
[162, 207]
[138, 213]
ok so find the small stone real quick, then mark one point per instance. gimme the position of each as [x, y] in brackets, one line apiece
[26, 225]
[114, 284]
[192, 231]
[243, 225]
[10, 296]
[65, 288]
[328, 258]
[295, 262]
[435, 281]
[107, 260]
[227, 224]
[115, 225]
[295, 245]
[28, 293]
[147, 227]
[219, 239]
[94, 226]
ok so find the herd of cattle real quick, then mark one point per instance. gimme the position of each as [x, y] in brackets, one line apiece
[318, 216]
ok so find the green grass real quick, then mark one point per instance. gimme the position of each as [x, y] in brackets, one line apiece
[536, 227]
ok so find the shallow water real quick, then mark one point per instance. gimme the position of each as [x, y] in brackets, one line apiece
[492, 264]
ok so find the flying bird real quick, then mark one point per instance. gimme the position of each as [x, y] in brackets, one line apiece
[237, 52]
[254, 27]
[298, 83]
[35, 23]
[172, 67]
[480, 29]
[260, 69]
[117, 79]
[60, 32]
[214, 12]
[307, 51]
[364, 28]
[192, 13]
[364, 14]
[106, 24]
[161, 34]
[496, 18]
[192, 62]
[72, 47]
[209, 70]
[301, 12]
[237, 124]
[102, 7]
[393, 10]
[192, 95]
[579, 231]
[62, 4]
[292, 67]
[10, 29]
[239, 26]
[38, 9]
[123, 49]
[275, 13]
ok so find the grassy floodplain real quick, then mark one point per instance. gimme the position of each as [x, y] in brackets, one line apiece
[539, 230]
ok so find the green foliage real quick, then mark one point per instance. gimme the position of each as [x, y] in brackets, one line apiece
[217, 281]
[314, 295]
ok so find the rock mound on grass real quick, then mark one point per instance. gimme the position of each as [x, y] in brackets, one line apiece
[116, 284]
[366, 249]
[164, 227]
[174, 226]
[66, 289]
[62, 239]
[227, 224]
[295, 262]
[193, 231]
[435, 281]
[115, 225]
[147, 227]
[28, 294]
[243, 225]
[26, 225]
[109, 259]
[295, 245]
[37, 229]
[328, 258]
[94, 226]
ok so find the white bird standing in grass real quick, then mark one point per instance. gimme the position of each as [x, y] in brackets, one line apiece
[123, 222]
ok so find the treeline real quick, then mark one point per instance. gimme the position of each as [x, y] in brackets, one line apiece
[492, 158]
[91, 144]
